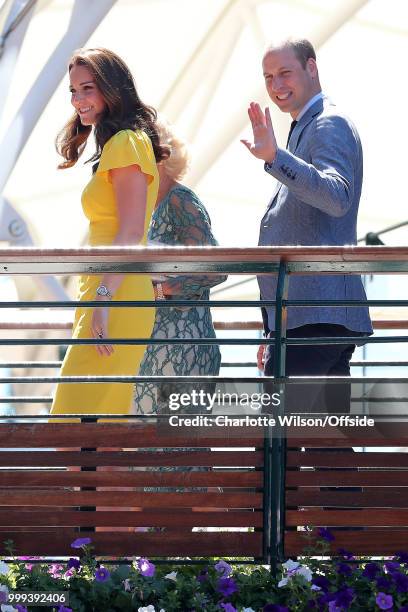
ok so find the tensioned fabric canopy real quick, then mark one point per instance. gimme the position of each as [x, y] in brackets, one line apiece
[199, 64]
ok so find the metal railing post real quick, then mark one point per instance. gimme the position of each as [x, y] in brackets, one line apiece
[278, 450]
[89, 419]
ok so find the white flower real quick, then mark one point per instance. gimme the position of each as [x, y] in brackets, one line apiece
[171, 576]
[293, 568]
[148, 608]
[248, 610]
[314, 587]
[305, 572]
[4, 568]
[290, 565]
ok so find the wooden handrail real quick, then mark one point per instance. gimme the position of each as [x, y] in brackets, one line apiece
[259, 260]
[206, 254]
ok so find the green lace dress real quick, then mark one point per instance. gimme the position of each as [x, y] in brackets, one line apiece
[179, 219]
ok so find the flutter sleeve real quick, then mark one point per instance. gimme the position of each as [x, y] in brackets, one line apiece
[128, 148]
[192, 227]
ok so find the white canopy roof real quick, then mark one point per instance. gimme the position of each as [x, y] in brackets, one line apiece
[199, 64]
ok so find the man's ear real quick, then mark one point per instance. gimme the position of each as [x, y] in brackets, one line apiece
[311, 67]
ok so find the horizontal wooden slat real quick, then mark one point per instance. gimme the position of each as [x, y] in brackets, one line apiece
[125, 478]
[44, 530]
[15, 517]
[131, 458]
[128, 544]
[342, 478]
[369, 517]
[374, 497]
[344, 459]
[65, 320]
[125, 435]
[236, 325]
[137, 434]
[129, 498]
[392, 436]
[364, 542]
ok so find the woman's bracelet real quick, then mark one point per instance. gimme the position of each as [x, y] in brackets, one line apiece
[158, 291]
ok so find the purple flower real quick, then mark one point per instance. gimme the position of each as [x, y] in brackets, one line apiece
[322, 582]
[55, 570]
[223, 568]
[344, 569]
[79, 542]
[64, 609]
[326, 598]
[323, 600]
[384, 601]
[73, 563]
[145, 567]
[202, 576]
[402, 556]
[102, 574]
[345, 553]
[403, 609]
[333, 607]
[20, 608]
[391, 566]
[383, 583]
[371, 570]
[344, 597]
[325, 534]
[228, 607]
[401, 582]
[226, 586]
[274, 608]
[28, 566]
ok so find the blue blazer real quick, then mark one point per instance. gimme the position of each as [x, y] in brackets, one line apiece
[316, 204]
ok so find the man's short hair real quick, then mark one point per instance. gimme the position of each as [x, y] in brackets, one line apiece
[302, 48]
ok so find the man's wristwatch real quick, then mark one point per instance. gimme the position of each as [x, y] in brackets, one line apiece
[104, 292]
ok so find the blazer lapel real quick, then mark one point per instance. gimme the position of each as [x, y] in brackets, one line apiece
[311, 112]
[295, 139]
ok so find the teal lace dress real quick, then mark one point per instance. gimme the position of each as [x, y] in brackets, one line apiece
[179, 219]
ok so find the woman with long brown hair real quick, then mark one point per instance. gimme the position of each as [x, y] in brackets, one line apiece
[118, 201]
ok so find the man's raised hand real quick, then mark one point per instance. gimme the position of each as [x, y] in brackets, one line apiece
[264, 145]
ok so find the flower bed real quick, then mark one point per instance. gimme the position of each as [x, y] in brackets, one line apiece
[311, 583]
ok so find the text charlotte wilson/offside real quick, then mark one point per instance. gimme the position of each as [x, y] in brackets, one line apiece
[267, 421]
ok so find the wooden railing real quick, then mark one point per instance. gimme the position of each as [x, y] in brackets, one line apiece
[250, 483]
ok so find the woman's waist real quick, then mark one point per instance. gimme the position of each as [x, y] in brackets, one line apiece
[103, 233]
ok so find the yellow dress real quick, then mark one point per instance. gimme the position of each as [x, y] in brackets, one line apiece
[125, 148]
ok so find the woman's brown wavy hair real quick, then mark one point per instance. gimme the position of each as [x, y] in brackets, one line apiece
[124, 109]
